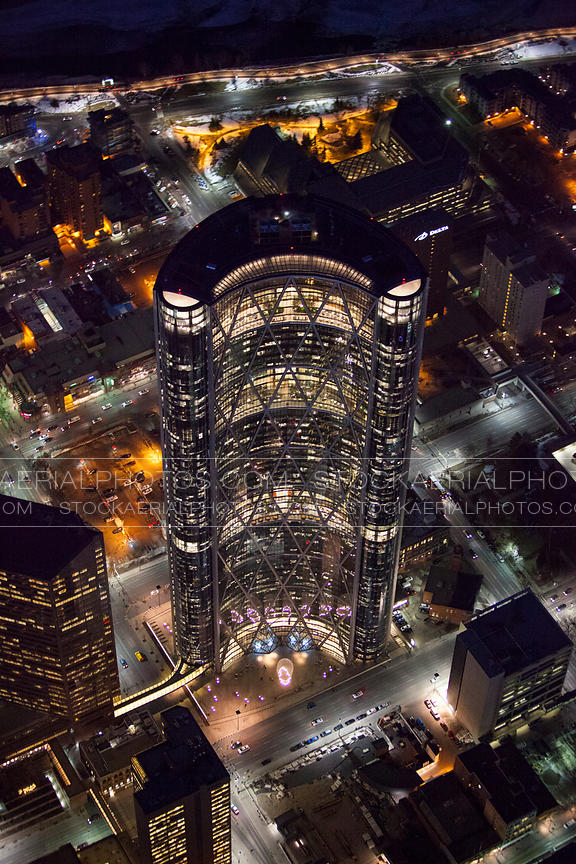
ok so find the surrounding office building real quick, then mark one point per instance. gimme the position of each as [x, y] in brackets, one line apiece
[424, 530]
[58, 651]
[107, 756]
[508, 666]
[269, 164]
[452, 819]
[504, 784]
[451, 588]
[288, 365]
[75, 186]
[67, 370]
[429, 235]
[182, 797]
[513, 288]
[111, 131]
[429, 168]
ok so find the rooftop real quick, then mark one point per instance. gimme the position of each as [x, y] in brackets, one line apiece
[32, 539]
[64, 855]
[180, 766]
[454, 817]
[514, 634]
[20, 197]
[408, 182]
[514, 788]
[422, 128]
[453, 584]
[31, 173]
[81, 161]
[114, 748]
[285, 228]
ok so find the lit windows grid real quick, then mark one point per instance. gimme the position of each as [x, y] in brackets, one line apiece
[52, 631]
[294, 347]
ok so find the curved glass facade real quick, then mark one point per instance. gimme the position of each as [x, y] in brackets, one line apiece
[287, 398]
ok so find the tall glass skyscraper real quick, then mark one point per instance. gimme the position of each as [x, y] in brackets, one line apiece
[289, 339]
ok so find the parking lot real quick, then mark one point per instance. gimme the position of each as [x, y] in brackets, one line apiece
[114, 482]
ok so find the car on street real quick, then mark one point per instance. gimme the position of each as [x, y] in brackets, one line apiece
[317, 721]
[444, 726]
[474, 555]
[469, 535]
[107, 406]
[428, 703]
[15, 445]
[140, 656]
[311, 705]
[244, 748]
[127, 403]
[358, 694]
[143, 392]
[361, 716]
[350, 721]
[338, 727]
[96, 420]
[234, 809]
[266, 761]
[123, 663]
[325, 733]
[560, 607]
[435, 714]
[236, 744]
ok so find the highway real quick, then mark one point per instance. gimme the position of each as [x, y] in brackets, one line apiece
[303, 67]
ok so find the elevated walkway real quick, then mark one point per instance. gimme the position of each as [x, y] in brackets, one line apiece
[183, 674]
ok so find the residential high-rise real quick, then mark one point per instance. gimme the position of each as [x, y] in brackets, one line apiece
[182, 797]
[56, 634]
[289, 339]
[75, 186]
[509, 665]
[24, 205]
[111, 131]
[513, 288]
[17, 121]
